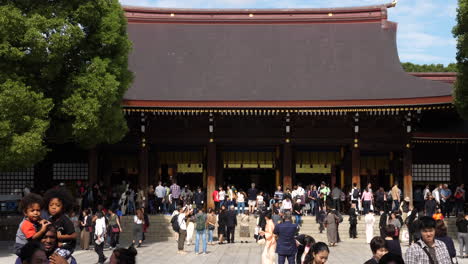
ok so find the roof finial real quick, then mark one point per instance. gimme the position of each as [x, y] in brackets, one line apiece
[394, 2]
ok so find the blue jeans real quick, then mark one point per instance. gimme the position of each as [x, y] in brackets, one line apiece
[197, 240]
[298, 219]
[131, 207]
[396, 205]
[210, 235]
[312, 207]
[240, 205]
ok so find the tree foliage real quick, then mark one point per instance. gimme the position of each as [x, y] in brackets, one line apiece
[460, 31]
[63, 74]
[411, 67]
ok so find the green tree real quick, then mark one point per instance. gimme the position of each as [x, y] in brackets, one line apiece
[411, 67]
[63, 74]
[460, 31]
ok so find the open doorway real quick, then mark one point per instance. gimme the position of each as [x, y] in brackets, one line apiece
[312, 178]
[264, 179]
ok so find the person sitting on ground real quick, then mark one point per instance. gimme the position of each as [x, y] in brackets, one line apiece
[428, 249]
[123, 256]
[393, 245]
[318, 254]
[379, 248]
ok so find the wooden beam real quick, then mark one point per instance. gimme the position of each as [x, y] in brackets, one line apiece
[211, 173]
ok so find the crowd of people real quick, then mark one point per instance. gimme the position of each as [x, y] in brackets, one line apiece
[94, 214]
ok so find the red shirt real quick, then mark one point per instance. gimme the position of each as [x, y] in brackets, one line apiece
[28, 229]
[215, 196]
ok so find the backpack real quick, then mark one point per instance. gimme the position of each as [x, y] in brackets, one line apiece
[356, 193]
[201, 222]
[175, 223]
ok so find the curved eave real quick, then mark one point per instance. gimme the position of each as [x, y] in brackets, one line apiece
[404, 102]
[321, 15]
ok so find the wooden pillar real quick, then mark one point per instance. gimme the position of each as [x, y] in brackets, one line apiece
[93, 166]
[408, 174]
[143, 172]
[333, 176]
[342, 178]
[356, 166]
[277, 166]
[211, 173]
[287, 166]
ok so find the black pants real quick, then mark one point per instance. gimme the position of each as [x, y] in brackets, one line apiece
[352, 231]
[114, 239]
[100, 251]
[159, 205]
[366, 205]
[282, 259]
[230, 234]
[337, 205]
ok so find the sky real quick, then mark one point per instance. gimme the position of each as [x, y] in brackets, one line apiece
[424, 26]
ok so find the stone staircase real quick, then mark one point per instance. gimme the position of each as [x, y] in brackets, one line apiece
[160, 229]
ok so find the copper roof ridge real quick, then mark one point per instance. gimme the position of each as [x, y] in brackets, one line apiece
[354, 9]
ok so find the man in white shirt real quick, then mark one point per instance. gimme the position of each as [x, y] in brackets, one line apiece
[436, 193]
[160, 193]
[184, 212]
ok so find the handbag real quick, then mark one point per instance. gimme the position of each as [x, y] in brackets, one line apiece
[115, 229]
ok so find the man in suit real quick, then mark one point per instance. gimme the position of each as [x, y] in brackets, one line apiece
[231, 223]
[286, 244]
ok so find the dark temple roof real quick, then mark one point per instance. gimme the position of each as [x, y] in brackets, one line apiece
[315, 55]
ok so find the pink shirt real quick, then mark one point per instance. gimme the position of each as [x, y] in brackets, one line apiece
[367, 196]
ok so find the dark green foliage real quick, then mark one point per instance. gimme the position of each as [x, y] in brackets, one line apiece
[460, 31]
[63, 73]
[411, 67]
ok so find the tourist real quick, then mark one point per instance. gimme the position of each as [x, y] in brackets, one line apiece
[123, 256]
[269, 251]
[313, 196]
[354, 195]
[382, 224]
[115, 228]
[278, 194]
[393, 220]
[252, 196]
[391, 258]
[459, 199]
[201, 223]
[222, 196]
[426, 192]
[60, 202]
[222, 219]
[318, 254]
[322, 215]
[86, 228]
[331, 223]
[140, 198]
[300, 193]
[211, 223]
[286, 205]
[190, 223]
[231, 196]
[418, 199]
[380, 200]
[32, 253]
[396, 196]
[462, 234]
[336, 198]
[175, 194]
[286, 244]
[187, 196]
[378, 248]
[324, 191]
[181, 220]
[411, 224]
[436, 193]
[353, 219]
[392, 244]
[151, 200]
[438, 215]
[99, 235]
[297, 212]
[427, 250]
[160, 193]
[138, 221]
[215, 196]
[441, 234]
[304, 245]
[367, 199]
[241, 201]
[231, 223]
[405, 207]
[369, 220]
[32, 226]
[244, 225]
[199, 198]
[430, 206]
[445, 197]
[130, 201]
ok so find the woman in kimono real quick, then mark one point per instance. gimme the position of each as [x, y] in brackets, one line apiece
[269, 252]
[331, 223]
[369, 220]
